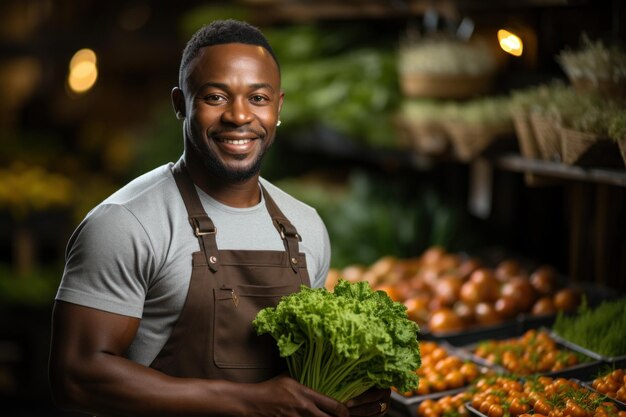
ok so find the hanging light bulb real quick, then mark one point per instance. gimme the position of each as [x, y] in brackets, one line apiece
[83, 71]
[510, 42]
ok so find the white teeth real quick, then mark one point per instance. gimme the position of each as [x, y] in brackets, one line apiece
[236, 142]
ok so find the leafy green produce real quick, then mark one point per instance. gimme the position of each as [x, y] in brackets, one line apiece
[594, 60]
[582, 111]
[617, 125]
[332, 82]
[344, 342]
[600, 329]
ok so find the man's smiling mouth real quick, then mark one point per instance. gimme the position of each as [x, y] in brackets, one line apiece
[236, 141]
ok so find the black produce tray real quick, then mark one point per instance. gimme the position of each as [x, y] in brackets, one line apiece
[407, 406]
[617, 361]
[476, 413]
[476, 333]
[580, 371]
[519, 325]
[472, 411]
[536, 322]
[587, 384]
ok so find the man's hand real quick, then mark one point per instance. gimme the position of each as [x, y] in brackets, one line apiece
[284, 396]
[373, 402]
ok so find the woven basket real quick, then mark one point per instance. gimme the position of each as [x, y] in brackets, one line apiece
[429, 138]
[622, 148]
[525, 136]
[470, 140]
[588, 149]
[547, 135]
[607, 88]
[444, 86]
[529, 147]
[575, 144]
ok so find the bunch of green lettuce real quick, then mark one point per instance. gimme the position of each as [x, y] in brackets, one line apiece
[344, 342]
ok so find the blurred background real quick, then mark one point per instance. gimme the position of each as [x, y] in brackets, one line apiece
[491, 129]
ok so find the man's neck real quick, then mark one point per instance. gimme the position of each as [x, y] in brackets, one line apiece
[239, 194]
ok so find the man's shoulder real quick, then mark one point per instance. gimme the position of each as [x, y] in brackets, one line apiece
[155, 184]
[146, 201]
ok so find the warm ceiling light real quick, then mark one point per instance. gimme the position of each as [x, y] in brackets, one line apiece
[83, 71]
[83, 55]
[510, 42]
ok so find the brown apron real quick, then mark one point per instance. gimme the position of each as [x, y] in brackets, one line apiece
[213, 337]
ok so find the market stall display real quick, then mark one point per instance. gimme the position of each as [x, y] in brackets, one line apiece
[452, 292]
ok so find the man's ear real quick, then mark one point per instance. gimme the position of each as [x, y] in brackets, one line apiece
[178, 101]
[281, 98]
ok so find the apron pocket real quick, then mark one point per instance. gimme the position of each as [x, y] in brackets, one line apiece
[236, 344]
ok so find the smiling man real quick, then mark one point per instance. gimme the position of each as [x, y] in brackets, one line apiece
[163, 279]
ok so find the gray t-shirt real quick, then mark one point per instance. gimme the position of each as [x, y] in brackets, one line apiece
[131, 255]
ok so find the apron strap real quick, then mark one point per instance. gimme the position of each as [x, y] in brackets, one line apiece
[287, 231]
[200, 222]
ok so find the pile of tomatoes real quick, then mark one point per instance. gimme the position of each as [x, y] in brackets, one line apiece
[448, 292]
[441, 371]
[543, 396]
[612, 384]
[533, 353]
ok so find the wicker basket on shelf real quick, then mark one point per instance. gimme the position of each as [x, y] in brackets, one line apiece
[589, 149]
[615, 90]
[427, 137]
[574, 144]
[622, 149]
[470, 140]
[525, 136]
[546, 132]
[529, 148]
[442, 86]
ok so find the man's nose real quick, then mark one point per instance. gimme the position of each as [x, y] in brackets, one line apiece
[238, 112]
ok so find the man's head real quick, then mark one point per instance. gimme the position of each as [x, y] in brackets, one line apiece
[221, 32]
[230, 100]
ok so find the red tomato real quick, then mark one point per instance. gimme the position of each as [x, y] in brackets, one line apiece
[444, 319]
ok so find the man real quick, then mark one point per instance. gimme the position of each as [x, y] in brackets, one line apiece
[162, 279]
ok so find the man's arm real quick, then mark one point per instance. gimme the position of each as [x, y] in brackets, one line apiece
[89, 373]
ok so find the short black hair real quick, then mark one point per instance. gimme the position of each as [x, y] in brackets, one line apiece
[221, 32]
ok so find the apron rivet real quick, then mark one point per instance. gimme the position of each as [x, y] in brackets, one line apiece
[294, 261]
[213, 259]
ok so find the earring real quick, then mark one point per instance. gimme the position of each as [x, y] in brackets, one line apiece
[179, 115]
[278, 123]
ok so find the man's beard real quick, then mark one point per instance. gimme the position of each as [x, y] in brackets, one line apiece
[215, 166]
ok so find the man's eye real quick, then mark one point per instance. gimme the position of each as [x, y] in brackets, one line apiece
[213, 97]
[258, 99]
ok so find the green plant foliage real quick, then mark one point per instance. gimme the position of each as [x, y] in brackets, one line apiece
[328, 82]
[161, 141]
[583, 111]
[371, 217]
[617, 125]
[594, 60]
[344, 342]
[600, 329]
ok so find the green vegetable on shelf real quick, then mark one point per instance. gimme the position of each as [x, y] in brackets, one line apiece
[600, 329]
[344, 342]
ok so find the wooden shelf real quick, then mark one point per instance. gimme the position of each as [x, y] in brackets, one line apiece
[302, 11]
[337, 146]
[518, 163]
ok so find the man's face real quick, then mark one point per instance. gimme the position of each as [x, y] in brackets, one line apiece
[233, 100]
